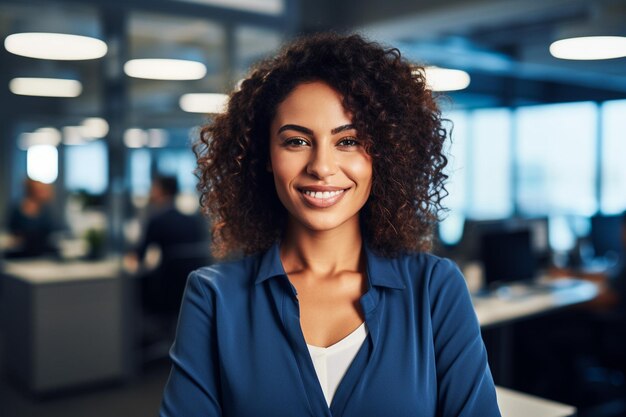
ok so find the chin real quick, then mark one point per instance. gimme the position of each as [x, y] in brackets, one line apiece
[323, 224]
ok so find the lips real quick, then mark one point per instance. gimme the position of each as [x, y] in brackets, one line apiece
[322, 197]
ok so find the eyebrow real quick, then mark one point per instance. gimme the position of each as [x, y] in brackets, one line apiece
[342, 128]
[308, 131]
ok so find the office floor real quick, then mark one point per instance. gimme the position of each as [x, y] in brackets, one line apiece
[139, 397]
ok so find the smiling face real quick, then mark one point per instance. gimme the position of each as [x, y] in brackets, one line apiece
[322, 174]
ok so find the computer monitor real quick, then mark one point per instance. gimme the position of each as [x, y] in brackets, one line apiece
[539, 231]
[540, 239]
[606, 235]
[508, 255]
[469, 247]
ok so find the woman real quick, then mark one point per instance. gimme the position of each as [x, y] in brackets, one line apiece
[326, 170]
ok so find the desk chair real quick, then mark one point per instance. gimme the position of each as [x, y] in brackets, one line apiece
[610, 340]
[161, 295]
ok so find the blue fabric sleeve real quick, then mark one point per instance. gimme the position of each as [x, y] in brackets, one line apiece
[465, 384]
[192, 389]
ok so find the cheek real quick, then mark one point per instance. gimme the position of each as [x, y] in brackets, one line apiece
[361, 170]
[286, 166]
[282, 171]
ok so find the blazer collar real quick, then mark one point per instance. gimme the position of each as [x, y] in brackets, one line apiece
[381, 271]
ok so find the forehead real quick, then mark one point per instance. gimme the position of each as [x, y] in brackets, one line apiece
[311, 104]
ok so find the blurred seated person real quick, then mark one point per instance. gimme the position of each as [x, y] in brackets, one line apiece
[31, 223]
[589, 336]
[597, 329]
[611, 282]
[182, 241]
[615, 292]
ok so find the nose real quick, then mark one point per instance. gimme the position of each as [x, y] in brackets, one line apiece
[322, 163]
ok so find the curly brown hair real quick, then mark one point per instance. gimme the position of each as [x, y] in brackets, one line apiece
[394, 113]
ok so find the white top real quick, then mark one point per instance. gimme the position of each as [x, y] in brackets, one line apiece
[331, 363]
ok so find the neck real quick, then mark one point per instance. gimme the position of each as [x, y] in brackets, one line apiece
[322, 253]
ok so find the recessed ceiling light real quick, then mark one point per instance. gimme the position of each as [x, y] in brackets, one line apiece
[589, 48]
[94, 127]
[165, 69]
[157, 138]
[135, 137]
[446, 79]
[45, 87]
[72, 135]
[42, 136]
[204, 103]
[56, 46]
[271, 7]
[91, 128]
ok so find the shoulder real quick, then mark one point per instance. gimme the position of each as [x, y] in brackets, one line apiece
[430, 276]
[427, 267]
[227, 277]
[15, 210]
[16, 217]
[166, 215]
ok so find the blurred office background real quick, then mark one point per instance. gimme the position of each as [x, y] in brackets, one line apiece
[538, 145]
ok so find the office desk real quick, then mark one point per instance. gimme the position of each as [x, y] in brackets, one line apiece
[64, 323]
[518, 301]
[516, 404]
[497, 310]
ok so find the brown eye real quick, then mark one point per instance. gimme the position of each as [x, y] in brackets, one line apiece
[295, 142]
[348, 142]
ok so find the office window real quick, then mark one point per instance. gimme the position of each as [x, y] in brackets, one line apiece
[42, 163]
[556, 155]
[564, 230]
[140, 177]
[489, 179]
[613, 193]
[181, 164]
[451, 227]
[86, 167]
[186, 176]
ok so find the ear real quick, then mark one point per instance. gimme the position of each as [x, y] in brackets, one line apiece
[268, 166]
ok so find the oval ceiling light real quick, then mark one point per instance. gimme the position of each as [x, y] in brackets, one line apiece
[211, 103]
[446, 79]
[58, 46]
[42, 136]
[165, 69]
[72, 135]
[94, 127]
[270, 7]
[135, 138]
[589, 48]
[45, 87]
[157, 138]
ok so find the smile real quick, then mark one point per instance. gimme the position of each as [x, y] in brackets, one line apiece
[322, 199]
[322, 194]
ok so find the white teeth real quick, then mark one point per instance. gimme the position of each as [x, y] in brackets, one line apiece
[324, 194]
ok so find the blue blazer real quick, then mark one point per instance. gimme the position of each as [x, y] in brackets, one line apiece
[240, 351]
